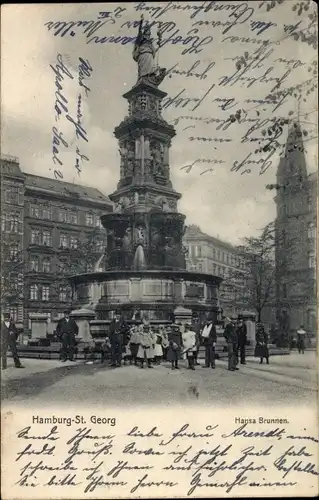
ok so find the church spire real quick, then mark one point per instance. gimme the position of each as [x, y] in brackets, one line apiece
[292, 165]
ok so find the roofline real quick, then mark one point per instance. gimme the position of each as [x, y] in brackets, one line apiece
[79, 200]
[64, 182]
[213, 239]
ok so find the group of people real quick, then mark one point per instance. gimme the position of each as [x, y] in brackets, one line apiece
[143, 343]
[235, 333]
[146, 345]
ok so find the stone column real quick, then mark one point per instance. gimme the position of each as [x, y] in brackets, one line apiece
[250, 322]
[182, 315]
[39, 325]
[83, 317]
[179, 290]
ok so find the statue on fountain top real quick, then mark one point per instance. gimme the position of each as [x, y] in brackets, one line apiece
[144, 54]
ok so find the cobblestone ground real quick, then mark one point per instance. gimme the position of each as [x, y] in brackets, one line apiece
[287, 380]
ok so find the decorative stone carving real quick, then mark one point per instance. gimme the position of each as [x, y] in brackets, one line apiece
[121, 205]
[140, 234]
[130, 162]
[157, 158]
[162, 203]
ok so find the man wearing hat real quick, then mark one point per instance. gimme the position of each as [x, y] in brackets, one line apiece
[9, 335]
[209, 337]
[118, 334]
[242, 339]
[232, 343]
[174, 345]
[66, 330]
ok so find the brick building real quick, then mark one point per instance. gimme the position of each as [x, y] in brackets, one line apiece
[54, 228]
[296, 227]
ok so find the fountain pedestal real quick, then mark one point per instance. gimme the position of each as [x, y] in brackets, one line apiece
[83, 317]
[39, 325]
[182, 315]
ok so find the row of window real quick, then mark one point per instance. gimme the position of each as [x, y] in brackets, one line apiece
[41, 237]
[14, 253]
[216, 270]
[44, 237]
[42, 293]
[43, 266]
[40, 212]
[12, 222]
[68, 216]
[13, 195]
[195, 251]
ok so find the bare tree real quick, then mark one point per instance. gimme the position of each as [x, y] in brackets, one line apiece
[12, 268]
[254, 284]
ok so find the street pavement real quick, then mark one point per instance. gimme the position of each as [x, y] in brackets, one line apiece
[287, 380]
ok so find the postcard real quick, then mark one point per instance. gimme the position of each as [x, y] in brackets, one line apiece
[158, 250]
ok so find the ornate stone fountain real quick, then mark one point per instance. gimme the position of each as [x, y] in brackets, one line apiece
[144, 264]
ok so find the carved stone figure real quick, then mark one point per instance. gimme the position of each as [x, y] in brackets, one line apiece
[127, 239]
[140, 234]
[157, 159]
[130, 162]
[118, 207]
[121, 205]
[144, 54]
[123, 153]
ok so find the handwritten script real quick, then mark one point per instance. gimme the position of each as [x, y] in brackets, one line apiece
[156, 459]
[62, 74]
[241, 54]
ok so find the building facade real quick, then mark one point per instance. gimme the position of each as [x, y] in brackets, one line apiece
[207, 254]
[296, 230]
[57, 232]
[12, 237]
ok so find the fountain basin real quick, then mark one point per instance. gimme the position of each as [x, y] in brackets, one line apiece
[155, 292]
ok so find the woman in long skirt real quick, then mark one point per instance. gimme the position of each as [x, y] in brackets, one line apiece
[261, 349]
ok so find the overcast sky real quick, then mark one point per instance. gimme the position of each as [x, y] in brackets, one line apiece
[223, 203]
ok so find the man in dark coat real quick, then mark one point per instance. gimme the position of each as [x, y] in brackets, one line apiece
[174, 345]
[196, 328]
[209, 339]
[230, 335]
[242, 339]
[9, 335]
[66, 330]
[118, 335]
